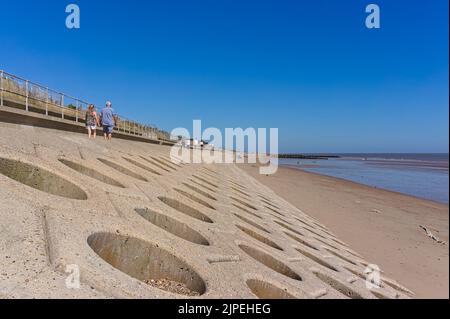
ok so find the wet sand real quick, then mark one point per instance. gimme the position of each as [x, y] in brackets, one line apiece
[383, 226]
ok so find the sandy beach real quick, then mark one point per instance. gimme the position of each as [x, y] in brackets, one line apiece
[383, 226]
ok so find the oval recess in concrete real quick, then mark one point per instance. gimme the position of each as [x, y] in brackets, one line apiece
[270, 204]
[259, 237]
[172, 226]
[396, 286]
[170, 161]
[155, 164]
[163, 163]
[144, 167]
[379, 295]
[332, 238]
[239, 196]
[243, 203]
[240, 192]
[288, 228]
[248, 221]
[338, 286]
[201, 185]
[91, 173]
[270, 262]
[194, 198]
[357, 273]
[210, 170]
[40, 179]
[185, 209]
[264, 290]
[208, 175]
[122, 169]
[199, 191]
[321, 227]
[148, 263]
[246, 211]
[280, 219]
[315, 233]
[302, 222]
[263, 197]
[301, 241]
[340, 256]
[274, 210]
[205, 181]
[318, 260]
[237, 184]
[325, 243]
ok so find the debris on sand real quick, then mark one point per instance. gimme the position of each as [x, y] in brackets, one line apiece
[172, 286]
[432, 236]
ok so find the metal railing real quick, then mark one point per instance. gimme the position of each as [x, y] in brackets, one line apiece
[23, 94]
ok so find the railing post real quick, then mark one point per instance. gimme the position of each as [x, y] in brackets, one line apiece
[62, 106]
[76, 113]
[46, 104]
[1, 88]
[26, 95]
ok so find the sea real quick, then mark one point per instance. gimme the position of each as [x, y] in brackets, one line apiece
[420, 175]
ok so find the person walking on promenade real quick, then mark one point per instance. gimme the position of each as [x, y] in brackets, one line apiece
[92, 121]
[109, 121]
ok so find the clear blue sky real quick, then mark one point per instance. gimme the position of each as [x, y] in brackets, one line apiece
[310, 68]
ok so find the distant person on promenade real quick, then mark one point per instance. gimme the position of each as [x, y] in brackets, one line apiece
[109, 121]
[92, 121]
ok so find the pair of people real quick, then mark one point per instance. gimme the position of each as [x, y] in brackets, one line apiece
[107, 119]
